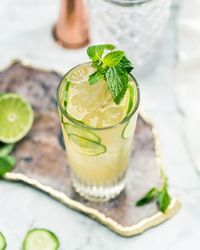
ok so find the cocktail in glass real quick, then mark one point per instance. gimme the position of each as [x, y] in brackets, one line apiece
[98, 133]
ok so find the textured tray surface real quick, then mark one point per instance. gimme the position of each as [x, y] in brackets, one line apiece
[41, 159]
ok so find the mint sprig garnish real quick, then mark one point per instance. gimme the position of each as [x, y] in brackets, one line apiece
[161, 196]
[114, 67]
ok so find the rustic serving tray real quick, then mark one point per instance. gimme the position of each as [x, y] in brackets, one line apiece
[42, 163]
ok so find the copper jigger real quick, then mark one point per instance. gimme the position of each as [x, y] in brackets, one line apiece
[71, 30]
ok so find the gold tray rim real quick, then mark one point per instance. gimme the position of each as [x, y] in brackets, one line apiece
[126, 231]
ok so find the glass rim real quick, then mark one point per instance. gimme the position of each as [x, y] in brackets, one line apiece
[84, 126]
[127, 2]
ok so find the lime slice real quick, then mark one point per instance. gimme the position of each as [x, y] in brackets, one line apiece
[16, 118]
[85, 146]
[40, 239]
[72, 129]
[2, 242]
[93, 104]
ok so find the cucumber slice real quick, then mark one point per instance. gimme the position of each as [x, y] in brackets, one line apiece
[86, 146]
[65, 97]
[128, 129]
[2, 242]
[40, 239]
[72, 129]
[131, 99]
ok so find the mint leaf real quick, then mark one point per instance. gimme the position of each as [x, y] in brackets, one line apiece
[113, 58]
[149, 196]
[95, 52]
[162, 196]
[163, 199]
[95, 77]
[126, 64]
[117, 80]
[6, 164]
[6, 149]
[114, 68]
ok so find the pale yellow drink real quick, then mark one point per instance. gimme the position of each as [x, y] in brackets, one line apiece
[98, 133]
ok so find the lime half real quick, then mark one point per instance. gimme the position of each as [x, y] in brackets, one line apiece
[16, 118]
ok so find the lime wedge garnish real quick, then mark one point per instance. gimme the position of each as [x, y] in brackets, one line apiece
[16, 118]
[72, 129]
[85, 146]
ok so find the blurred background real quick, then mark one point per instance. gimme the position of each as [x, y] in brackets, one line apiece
[162, 37]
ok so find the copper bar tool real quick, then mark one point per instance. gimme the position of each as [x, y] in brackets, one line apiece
[71, 30]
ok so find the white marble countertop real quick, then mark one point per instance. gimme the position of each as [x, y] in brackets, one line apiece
[25, 33]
